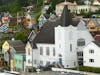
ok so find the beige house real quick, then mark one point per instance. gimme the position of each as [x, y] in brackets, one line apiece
[96, 2]
[74, 7]
[60, 6]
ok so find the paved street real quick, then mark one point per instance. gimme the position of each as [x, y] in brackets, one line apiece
[51, 73]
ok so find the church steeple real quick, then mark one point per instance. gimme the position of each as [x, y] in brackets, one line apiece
[65, 19]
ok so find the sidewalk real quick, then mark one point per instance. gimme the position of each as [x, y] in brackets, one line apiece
[90, 73]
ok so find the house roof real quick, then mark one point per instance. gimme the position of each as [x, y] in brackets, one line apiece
[46, 33]
[97, 43]
[94, 21]
[65, 3]
[97, 37]
[99, 1]
[18, 45]
[46, 16]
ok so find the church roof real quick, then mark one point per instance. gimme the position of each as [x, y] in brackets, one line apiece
[66, 18]
[46, 34]
[81, 25]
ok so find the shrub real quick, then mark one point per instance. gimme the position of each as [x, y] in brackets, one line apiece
[88, 69]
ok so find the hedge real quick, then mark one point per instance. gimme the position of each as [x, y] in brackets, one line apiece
[88, 69]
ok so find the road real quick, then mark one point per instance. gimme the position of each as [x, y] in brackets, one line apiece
[51, 73]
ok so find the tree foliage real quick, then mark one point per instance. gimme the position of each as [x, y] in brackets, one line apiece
[20, 36]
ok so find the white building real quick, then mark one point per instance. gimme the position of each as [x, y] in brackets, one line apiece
[96, 2]
[58, 42]
[74, 7]
[91, 54]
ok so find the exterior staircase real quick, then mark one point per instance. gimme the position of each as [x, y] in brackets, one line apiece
[4, 27]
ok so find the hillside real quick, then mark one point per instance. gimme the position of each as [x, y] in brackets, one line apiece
[14, 6]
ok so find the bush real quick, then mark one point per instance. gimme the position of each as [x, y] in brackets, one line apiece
[88, 69]
[32, 69]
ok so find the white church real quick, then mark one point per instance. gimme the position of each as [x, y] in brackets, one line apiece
[59, 42]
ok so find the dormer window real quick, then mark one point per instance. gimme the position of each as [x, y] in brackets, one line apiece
[80, 42]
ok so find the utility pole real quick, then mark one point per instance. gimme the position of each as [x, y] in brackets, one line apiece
[77, 59]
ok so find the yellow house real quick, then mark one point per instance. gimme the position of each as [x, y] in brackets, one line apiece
[5, 47]
[10, 47]
[94, 25]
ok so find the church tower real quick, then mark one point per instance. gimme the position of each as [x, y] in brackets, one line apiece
[70, 39]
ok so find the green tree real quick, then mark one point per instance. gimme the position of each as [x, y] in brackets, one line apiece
[20, 36]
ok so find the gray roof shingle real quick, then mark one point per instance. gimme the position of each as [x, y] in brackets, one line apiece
[18, 45]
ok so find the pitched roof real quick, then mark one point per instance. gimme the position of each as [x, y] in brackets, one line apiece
[46, 16]
[46, 33]
[18, 45]
[97, 43]
[66, 18]
[66, 3]
[81, 25]
[97, 37]
[94, 21]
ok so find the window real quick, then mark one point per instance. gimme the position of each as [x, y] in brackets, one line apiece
[41, 62]
[60, 55]
[47, 51]
[48, 63]
[91, 60]
[20, 61]
[35, 61]
[41, 50]
[80, 42]
[53, 51]
[74, 63]
[79, 53]
[70, 47]
[91, 51]
[29, 61]
[92, 27]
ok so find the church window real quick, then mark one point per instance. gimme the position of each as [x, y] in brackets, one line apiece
[53, 51]
[80, 42]
[41, 50]
[70, 47]
[47, 51]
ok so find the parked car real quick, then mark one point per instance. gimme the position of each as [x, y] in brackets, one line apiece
[14, 73]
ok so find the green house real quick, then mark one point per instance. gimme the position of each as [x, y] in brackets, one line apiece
[18, 62]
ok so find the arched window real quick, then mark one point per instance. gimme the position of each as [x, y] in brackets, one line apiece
[80, 42]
